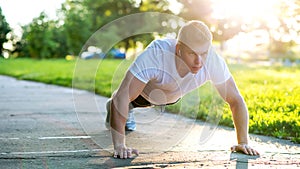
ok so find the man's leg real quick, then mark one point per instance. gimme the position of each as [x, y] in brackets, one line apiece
[130, 123]
[108, 109]
[140, 101]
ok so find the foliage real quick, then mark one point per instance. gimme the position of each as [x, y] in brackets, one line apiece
[283, 27]
[78, 20]
[45, 38]
[103, 12]
[77, 25]
[40, 38]
[271, 93]
[196, 9]
[202, 10]
[4, 30]
[273, 102]
[287, 27]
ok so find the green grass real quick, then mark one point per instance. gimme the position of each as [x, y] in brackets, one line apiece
[272, 94]
[273, 99]
[92, 75]
[58, 72]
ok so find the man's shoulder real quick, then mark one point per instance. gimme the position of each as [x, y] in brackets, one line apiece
[164, 43]
[166, 40]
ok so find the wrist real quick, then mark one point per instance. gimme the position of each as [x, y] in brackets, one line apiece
[243, 139]
[243, 143]
[118, 138]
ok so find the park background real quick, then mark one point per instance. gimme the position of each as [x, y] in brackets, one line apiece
[260, 40]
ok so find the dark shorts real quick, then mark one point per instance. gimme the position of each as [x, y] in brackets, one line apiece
[140, 101]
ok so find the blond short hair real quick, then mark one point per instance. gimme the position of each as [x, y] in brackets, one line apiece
[194, 33]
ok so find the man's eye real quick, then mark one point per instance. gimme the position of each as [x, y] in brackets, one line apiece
[193, 54]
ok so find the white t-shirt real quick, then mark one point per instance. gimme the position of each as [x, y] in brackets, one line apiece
[157, 69]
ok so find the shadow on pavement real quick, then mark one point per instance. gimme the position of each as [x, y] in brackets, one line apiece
[242, 160]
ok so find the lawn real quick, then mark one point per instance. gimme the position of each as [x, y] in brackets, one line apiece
[272, 94]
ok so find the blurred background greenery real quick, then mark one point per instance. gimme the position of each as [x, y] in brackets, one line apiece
[244, 30]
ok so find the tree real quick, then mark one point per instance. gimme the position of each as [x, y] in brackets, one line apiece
[79, 19]
[283, 28]
[225, 29]
[286, 34]
[103, 12]
[4, 30]
[45, 38]
[77, 25]
[222, 29]
[39, 39]
[196, 10]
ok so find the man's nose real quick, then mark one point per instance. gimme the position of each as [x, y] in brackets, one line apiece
[198, 60]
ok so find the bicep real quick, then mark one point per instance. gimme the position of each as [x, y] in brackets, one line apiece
[229, 91]
[130, 88]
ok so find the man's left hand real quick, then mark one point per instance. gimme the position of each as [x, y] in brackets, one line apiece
[245, 149]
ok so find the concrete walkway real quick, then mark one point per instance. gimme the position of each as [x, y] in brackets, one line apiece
[47, 126]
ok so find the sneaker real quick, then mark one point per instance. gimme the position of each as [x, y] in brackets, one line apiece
[130, 123]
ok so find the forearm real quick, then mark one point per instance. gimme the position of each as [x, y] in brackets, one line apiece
[118, 120]
[240, 119]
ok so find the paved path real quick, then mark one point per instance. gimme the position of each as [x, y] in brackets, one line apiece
[46, 126]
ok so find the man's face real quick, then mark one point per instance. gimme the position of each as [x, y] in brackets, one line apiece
[194, 59]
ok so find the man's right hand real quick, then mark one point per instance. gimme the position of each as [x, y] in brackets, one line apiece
[124, 152]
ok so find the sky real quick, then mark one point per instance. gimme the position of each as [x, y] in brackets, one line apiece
[21, 12]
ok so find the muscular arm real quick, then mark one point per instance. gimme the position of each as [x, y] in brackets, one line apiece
[232, 96]
[129, 89]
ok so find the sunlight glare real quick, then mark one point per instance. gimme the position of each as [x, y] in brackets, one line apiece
[175, 6]
[247, 10]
